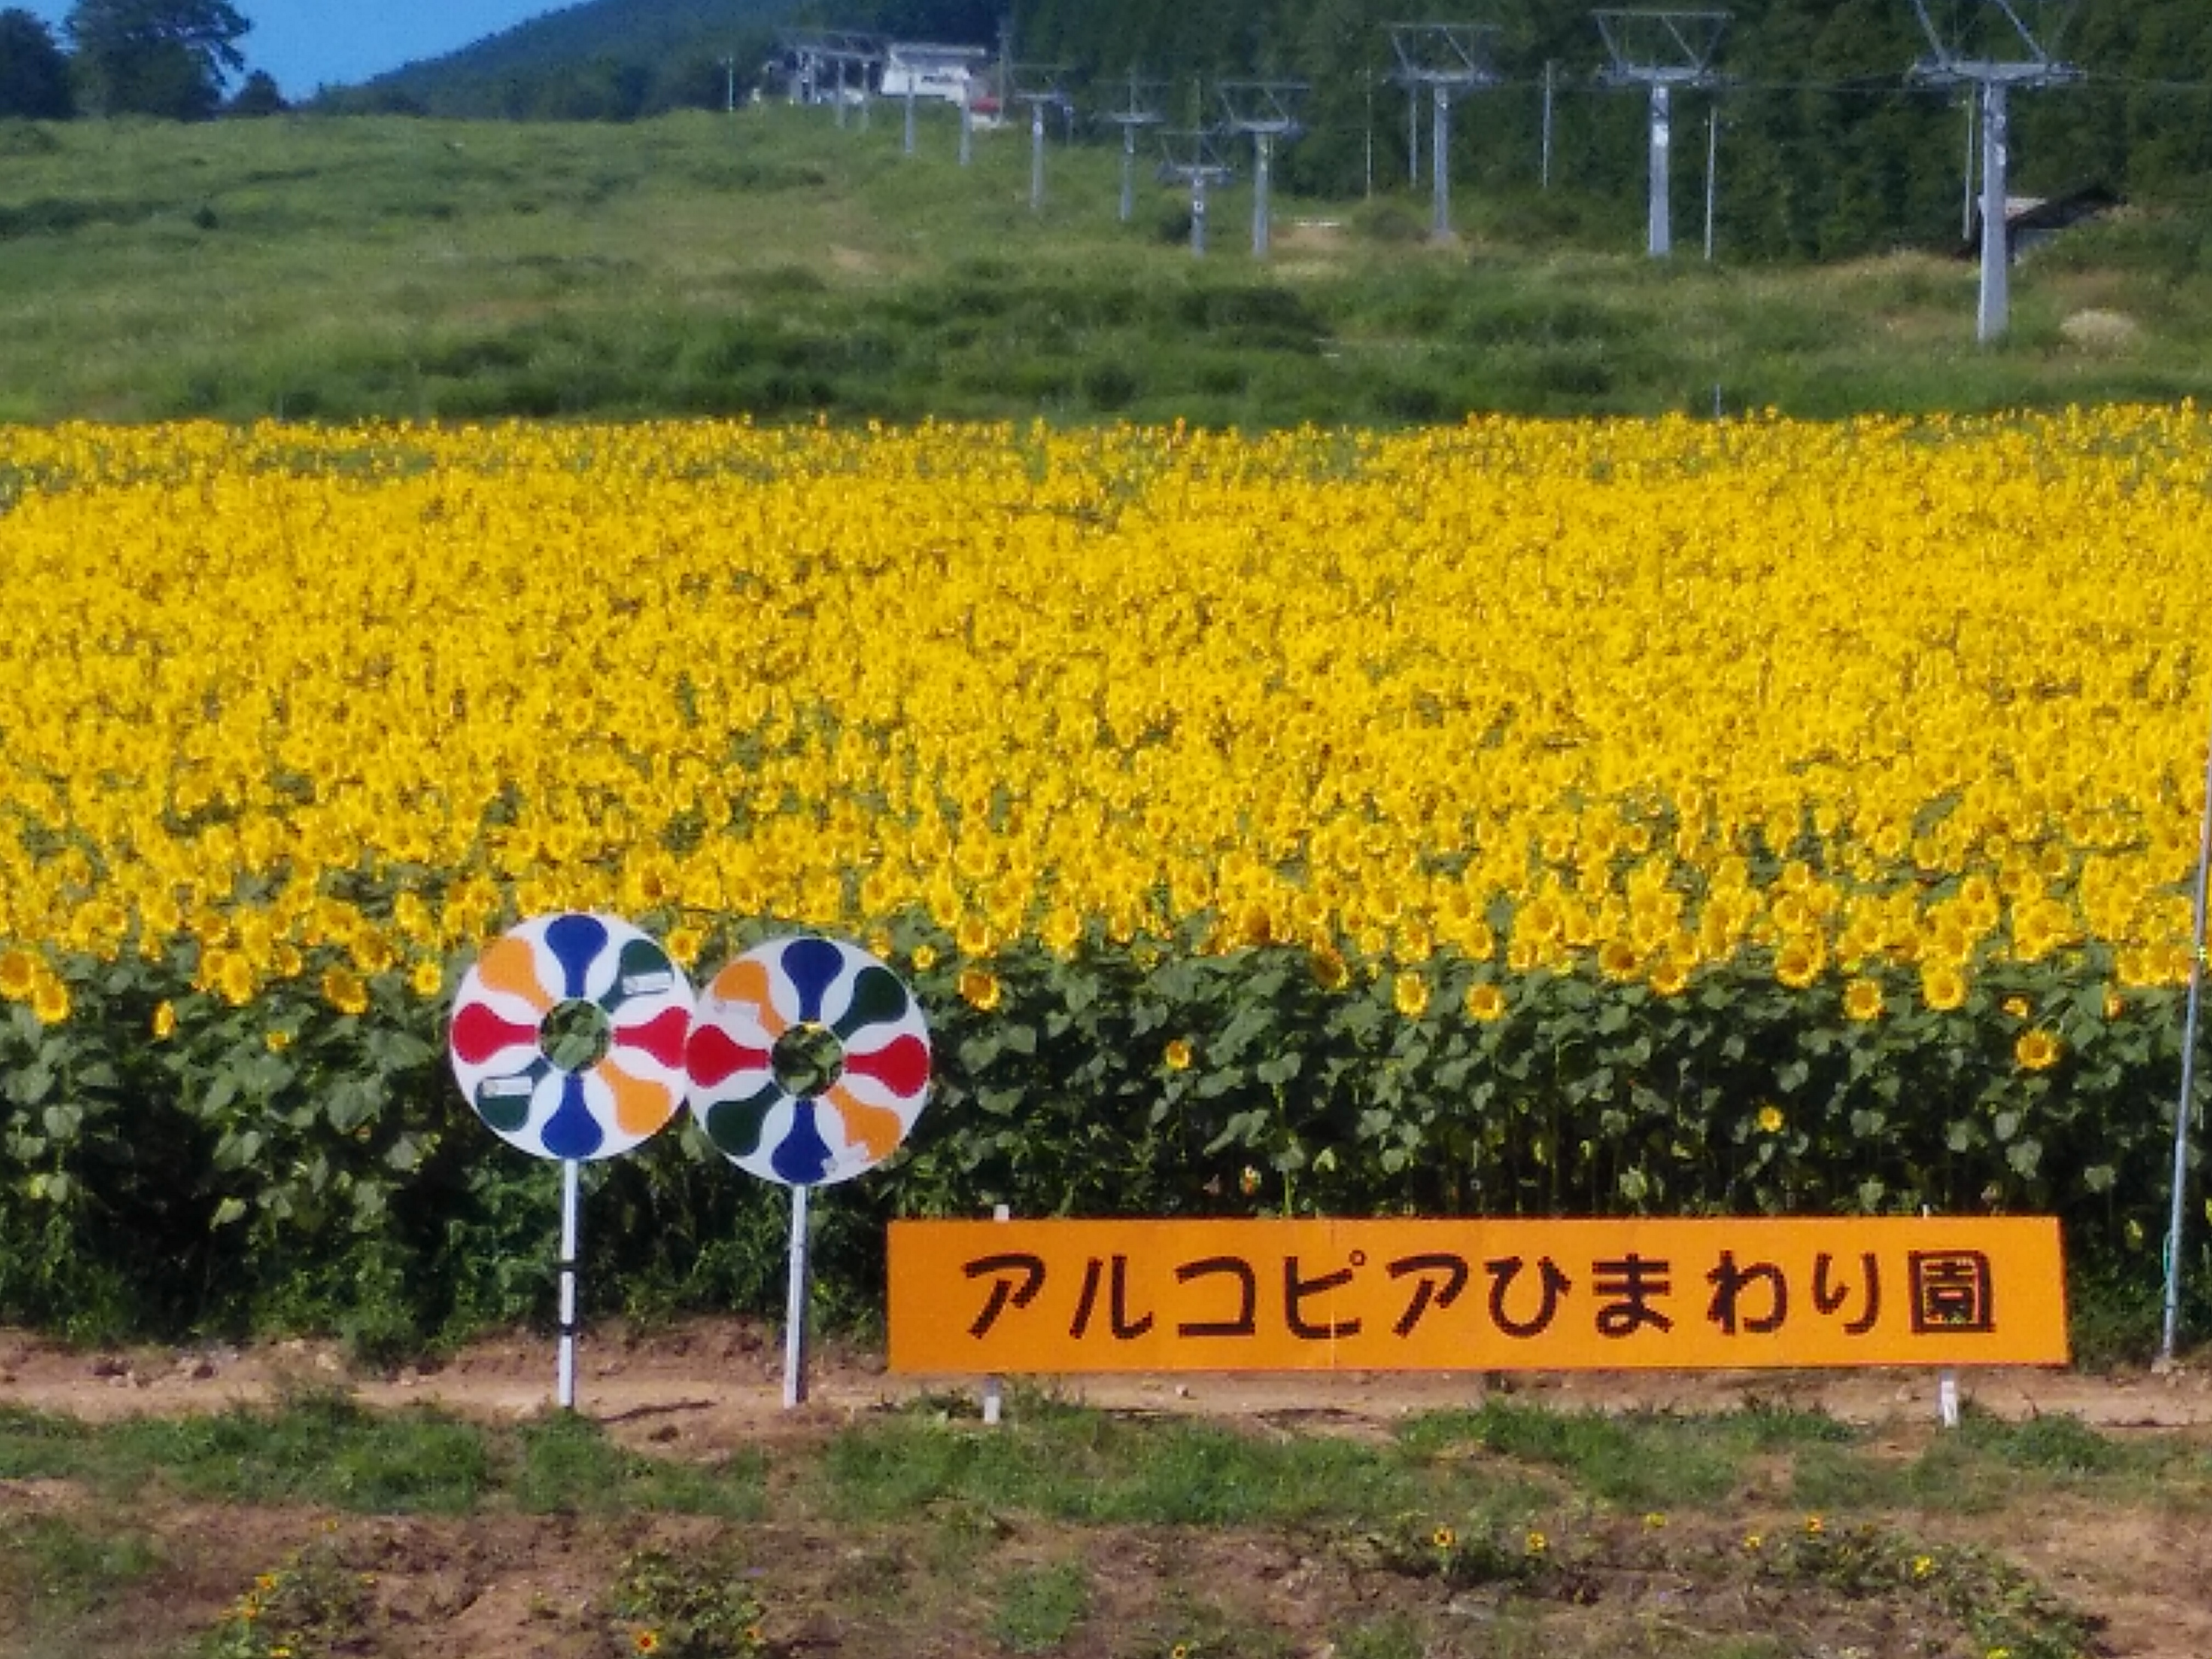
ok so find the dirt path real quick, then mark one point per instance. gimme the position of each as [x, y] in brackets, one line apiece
[721, 1381]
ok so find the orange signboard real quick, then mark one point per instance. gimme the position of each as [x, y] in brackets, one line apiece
[1069, 1296]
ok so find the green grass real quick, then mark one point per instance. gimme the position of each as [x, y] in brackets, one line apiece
[323, 1449]
[1041, 1608]
[769, 263]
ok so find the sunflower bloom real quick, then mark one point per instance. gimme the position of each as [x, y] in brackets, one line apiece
[1485, 1002]
[1943, 987]
[2036, 1050]
[19, 973]
[345, 991]
[1178, 1056]
[1771, 1119]
[1409, 994]
[49, 1000]
[979, 989]
[1862, 1000]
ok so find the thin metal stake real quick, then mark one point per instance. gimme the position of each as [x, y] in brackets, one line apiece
[2171, 1330]
[564, 1388]
[1946, 1399]
[795, 1313]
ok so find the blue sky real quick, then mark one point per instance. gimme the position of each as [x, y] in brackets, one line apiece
[308, 43]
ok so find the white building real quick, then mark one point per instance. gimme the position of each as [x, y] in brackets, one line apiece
[913, 68]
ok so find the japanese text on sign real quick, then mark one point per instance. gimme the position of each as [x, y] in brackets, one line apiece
[1098, 1296]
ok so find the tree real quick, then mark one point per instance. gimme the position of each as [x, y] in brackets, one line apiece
[35, 73]
[163, 58]
[259, 96]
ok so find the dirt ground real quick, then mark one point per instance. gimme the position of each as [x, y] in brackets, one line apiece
[518, 1585]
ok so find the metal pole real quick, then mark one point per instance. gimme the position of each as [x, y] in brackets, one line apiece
[1966, 197]
[1713, 163]
[967, 122]
[564, 1386]
[1412, 132]
[1440, 161]
[1036, 155]
[730, 86]
[1128, 171]
[1661, 241]
[1996, 300]
[1263, 146]
[1546, 162]
[794, 1307]
[2182, 1106]
[840, 93]
[909, 113]
[1198, 214]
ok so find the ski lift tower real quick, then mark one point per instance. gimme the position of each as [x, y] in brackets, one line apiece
[1266, 110]
[1197, 159]
[1662, 51]
[1445, 58]
[1995, 50]
[1039, 87]
[913, 69]
[1140, 109]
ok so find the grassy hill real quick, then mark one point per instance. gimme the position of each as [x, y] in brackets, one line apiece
[770, 263]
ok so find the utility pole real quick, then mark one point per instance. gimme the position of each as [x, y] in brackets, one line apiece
[1445, 58]
[730, 86]
[1140, 111]
[2001, 53]
[1265, 110]
[1661, 51]
[1195, 160]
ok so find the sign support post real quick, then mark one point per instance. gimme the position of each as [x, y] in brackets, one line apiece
[794, 1323]
[565, 1374]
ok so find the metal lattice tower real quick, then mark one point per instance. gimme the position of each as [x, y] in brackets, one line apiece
[1661, 51]
[1266, 110]
[1446, 59]
[1993, 48]
[1140, 109]
[1198, 159]
[1039, 87]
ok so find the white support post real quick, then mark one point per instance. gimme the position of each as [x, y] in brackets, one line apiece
[794, 1317]
[564, 1390]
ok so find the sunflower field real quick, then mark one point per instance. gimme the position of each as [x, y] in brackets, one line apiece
[1511, 818]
